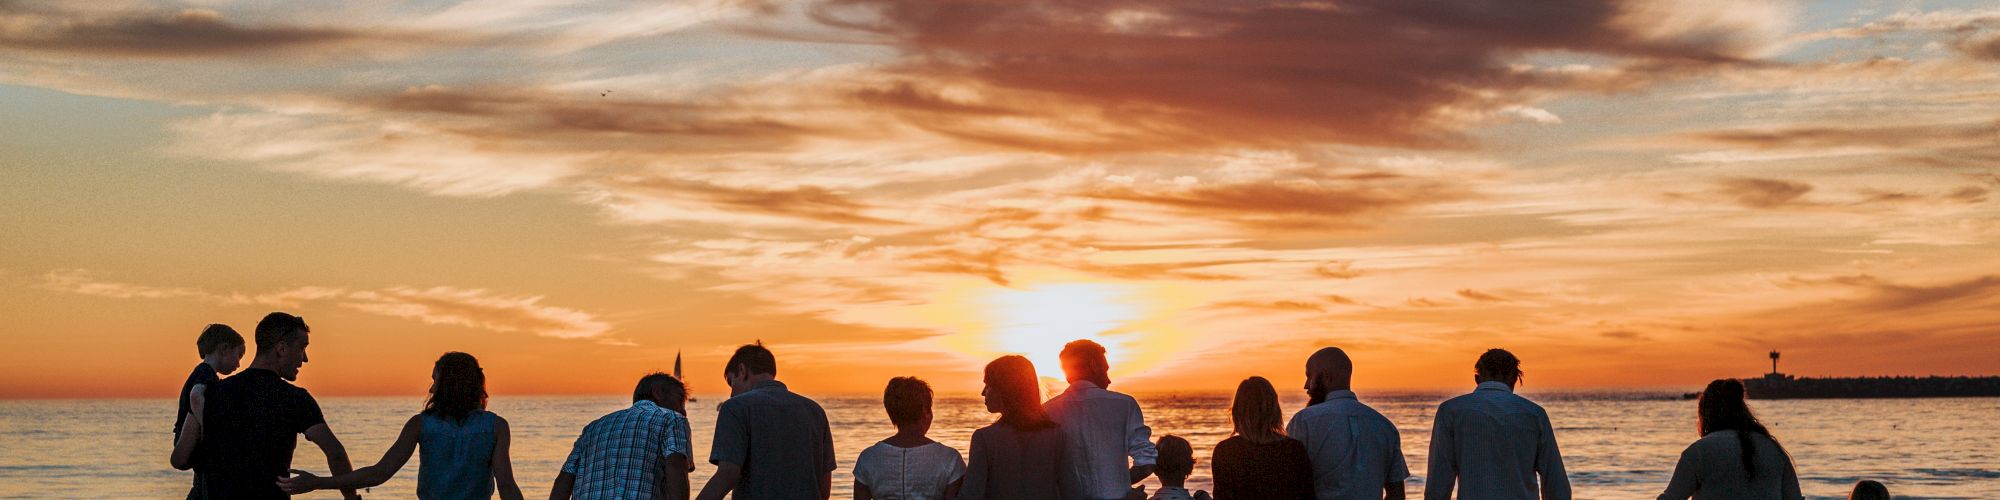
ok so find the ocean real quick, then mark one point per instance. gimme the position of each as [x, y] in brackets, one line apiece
[1615, 444]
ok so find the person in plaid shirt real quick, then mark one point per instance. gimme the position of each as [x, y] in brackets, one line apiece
[639, 452]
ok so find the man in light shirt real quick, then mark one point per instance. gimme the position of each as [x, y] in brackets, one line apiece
[1492, 443]
[1357, 454]
[1103, 428]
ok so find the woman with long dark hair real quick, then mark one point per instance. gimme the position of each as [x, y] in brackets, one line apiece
[464, 446]
[1736, 457]
[1258, 461]
[1021, 455]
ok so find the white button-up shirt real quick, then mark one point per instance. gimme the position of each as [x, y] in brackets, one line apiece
[1493, 443]
[1355, 450]
[1102, 428]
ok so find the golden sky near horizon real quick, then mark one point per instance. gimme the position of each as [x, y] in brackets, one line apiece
[1625, 193]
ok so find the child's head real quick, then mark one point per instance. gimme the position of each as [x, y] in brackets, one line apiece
[1869, 490]
[222, 345]
[908, 400]
[1176, 460]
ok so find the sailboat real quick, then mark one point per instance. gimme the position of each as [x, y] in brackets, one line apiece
[677, 375]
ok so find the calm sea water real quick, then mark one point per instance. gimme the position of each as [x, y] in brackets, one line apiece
[1616, 445]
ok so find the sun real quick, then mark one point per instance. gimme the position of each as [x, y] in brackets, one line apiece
[1037, 321]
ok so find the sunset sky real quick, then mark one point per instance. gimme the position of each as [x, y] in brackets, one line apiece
[1637, 193]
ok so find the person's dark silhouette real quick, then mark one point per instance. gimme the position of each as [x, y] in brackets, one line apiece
[769, 442]
[465, 447]
[1869, 489]
[1736, 456]
[1111, 448]
[1021, 455]
[1493, 443]
[250, 422]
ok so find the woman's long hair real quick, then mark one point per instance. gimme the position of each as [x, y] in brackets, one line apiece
[458, 387]
[1255, 413]
[1722, 409]
[1011, 380]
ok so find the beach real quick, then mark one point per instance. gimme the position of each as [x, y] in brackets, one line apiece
[1616, 444]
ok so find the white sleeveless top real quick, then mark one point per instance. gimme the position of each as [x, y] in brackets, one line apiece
[920, 473]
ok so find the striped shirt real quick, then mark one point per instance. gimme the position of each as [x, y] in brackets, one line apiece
[619, 455]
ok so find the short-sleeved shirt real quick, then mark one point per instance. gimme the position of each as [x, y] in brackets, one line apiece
[921, 473]
[1355, 450]
[250, 424]
[622, 454]
[202, 375]
[781, 440]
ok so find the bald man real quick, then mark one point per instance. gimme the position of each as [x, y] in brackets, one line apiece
[1356, 452]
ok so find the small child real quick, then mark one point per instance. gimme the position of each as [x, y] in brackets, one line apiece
[908, 465]
[1869, 489]
[221, 351]
[1176, 462]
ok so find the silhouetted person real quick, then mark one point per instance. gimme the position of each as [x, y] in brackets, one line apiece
[1869, 489]
[1356, 452]
[1022, 455]
[221, 350]
[1258, 461]
[1735, 457]
[770, 443]
[640, 452]
[908, 465]
[1492, 444]
[1176, 462]
[464, 446]
[250, 423]
[1105, 428]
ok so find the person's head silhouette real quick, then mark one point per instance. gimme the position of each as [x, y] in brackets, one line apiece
[1497, 365]
[1326, 371]
[1013, 392]
[1869, 489]
[908, 400]
[458, 387]
[1255, 413]
[663, 390]
[751, 364]
[281, 344]
[1084, 360]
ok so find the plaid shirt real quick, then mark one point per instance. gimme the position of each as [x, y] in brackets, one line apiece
[618, 454]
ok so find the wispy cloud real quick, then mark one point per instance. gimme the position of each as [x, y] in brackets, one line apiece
[468, 307]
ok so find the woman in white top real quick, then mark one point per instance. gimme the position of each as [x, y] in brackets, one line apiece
[1736, 457]
[908, 465]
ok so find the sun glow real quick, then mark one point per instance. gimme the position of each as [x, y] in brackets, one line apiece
[1036, 322]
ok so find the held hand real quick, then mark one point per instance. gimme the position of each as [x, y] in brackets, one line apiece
[301, 482]
[1137, 493]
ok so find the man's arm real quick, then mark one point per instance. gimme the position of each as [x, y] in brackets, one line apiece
[1139, 444]
[674, 480]
[564, 482]
[1444, 459]
[365, 477]
[183, 454]
[1549, 461]
[726, 475]
[336, 455]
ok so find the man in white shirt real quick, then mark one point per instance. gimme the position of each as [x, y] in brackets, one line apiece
[1357, 454]
[1103, 428]
[1493, 443]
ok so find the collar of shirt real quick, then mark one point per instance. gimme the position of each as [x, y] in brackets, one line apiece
[646, 404]
[769, 384]
[1081, 386]
[1495, 386]
[1339, 395]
